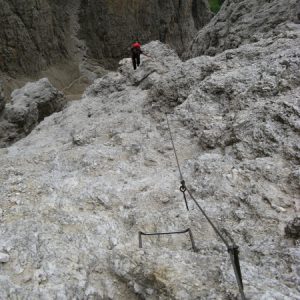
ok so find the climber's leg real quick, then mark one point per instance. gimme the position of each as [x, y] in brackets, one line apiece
[138, 59]
[134, 62]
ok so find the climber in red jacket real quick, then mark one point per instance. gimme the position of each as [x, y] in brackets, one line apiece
[136, 51]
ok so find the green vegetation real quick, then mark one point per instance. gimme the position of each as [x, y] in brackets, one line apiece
[215, 5]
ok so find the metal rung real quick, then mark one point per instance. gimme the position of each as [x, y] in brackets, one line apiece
[169, 233]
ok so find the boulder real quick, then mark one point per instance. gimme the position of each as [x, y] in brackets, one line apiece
[28, 106]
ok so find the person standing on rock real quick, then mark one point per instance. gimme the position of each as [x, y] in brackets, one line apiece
[136, 52]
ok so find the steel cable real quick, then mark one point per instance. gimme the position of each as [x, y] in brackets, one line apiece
[232, 249]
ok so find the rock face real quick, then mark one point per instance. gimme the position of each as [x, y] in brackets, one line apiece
[27, 108]
[109, 26]
[37, 34]
[242, 22]
[77, 190]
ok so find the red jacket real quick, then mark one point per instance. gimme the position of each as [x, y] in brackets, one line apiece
[136, 45]
[136, 49]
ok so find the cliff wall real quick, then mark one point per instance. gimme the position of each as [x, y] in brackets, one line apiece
[109, 26]
[34, 34]
[241, 22]
[37, 34]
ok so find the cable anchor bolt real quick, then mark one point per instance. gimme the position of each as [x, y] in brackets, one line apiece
[182, 187]
[183, 190]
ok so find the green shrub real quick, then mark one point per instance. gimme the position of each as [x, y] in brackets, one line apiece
[215, 5]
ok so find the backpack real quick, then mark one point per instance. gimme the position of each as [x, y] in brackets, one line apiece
[136, 48]
[136, 45]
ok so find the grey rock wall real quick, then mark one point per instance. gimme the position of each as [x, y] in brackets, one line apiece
[241, 22]
[37, 34]
[33, 35]
[109, 26]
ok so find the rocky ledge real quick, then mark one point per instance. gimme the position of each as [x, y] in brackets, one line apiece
[80, 187]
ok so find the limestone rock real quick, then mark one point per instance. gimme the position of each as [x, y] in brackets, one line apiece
[109, 26]
[34, 101]
[4, 257]
[78, 189]
[242, 22]
[73, 42]
[35, 35]
[158, 273]
[251, 80]
[159, 60]
[28, 106]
